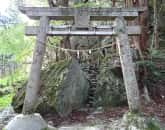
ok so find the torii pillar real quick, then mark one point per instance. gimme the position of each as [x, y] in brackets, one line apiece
[33, 85]
[127, 65]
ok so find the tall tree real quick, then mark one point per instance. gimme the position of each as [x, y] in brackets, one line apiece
[141, 42]
[156, 42]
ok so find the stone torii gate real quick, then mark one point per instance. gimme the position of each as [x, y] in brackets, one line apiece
[82, 27]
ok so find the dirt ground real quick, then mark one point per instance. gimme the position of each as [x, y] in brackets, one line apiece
[156, 109]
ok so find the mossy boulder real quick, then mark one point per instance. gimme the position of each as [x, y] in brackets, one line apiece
[110, 90]
[64, 88]
[136, 121]
[73, 92]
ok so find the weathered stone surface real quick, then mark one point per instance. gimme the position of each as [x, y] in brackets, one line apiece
[68, 13]
[74, 90]
[6, 115]
[27, 122]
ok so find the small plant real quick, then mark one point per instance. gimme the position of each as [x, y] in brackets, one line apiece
[153, 125]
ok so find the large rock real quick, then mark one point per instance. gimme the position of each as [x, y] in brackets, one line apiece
[6, 115]
[74, 90]
[110, 90]
[64, 88]
[27, 122]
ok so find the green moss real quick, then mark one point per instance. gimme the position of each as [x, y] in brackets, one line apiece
[110, 90]
[52, 78]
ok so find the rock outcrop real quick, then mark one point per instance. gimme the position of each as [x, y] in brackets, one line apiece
[6, 115]
[110, 90]
[64, 88]
[73, 91]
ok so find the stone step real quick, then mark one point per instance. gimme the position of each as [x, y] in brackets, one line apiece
[99, 127]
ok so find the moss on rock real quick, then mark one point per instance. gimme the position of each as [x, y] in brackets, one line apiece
[63, 84]
[110, 90]
[136, 121]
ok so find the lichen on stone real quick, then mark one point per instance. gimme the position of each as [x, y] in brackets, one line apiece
[140, 122]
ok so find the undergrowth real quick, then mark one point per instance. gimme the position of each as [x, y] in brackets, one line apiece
[5, 100]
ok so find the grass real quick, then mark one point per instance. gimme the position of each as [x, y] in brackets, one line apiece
[5, 101]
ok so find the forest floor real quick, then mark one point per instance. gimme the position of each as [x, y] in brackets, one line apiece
[156, 109]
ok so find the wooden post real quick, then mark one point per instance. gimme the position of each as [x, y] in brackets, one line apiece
[33, 84]
[129, 76]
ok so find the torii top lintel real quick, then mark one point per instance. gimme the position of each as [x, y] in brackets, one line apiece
[66, 13]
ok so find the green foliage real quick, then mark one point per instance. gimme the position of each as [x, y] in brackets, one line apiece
[5, 100]
[152, 125]
[154, 53]
[9, 80]
[12, 41]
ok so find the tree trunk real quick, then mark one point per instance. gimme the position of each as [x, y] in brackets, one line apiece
[156, 42]
[54, 3]
[65, 42]
[129, 75]
[33, 85]
[51, 3]
[141, 42]
[113, 3]
[144, 24]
